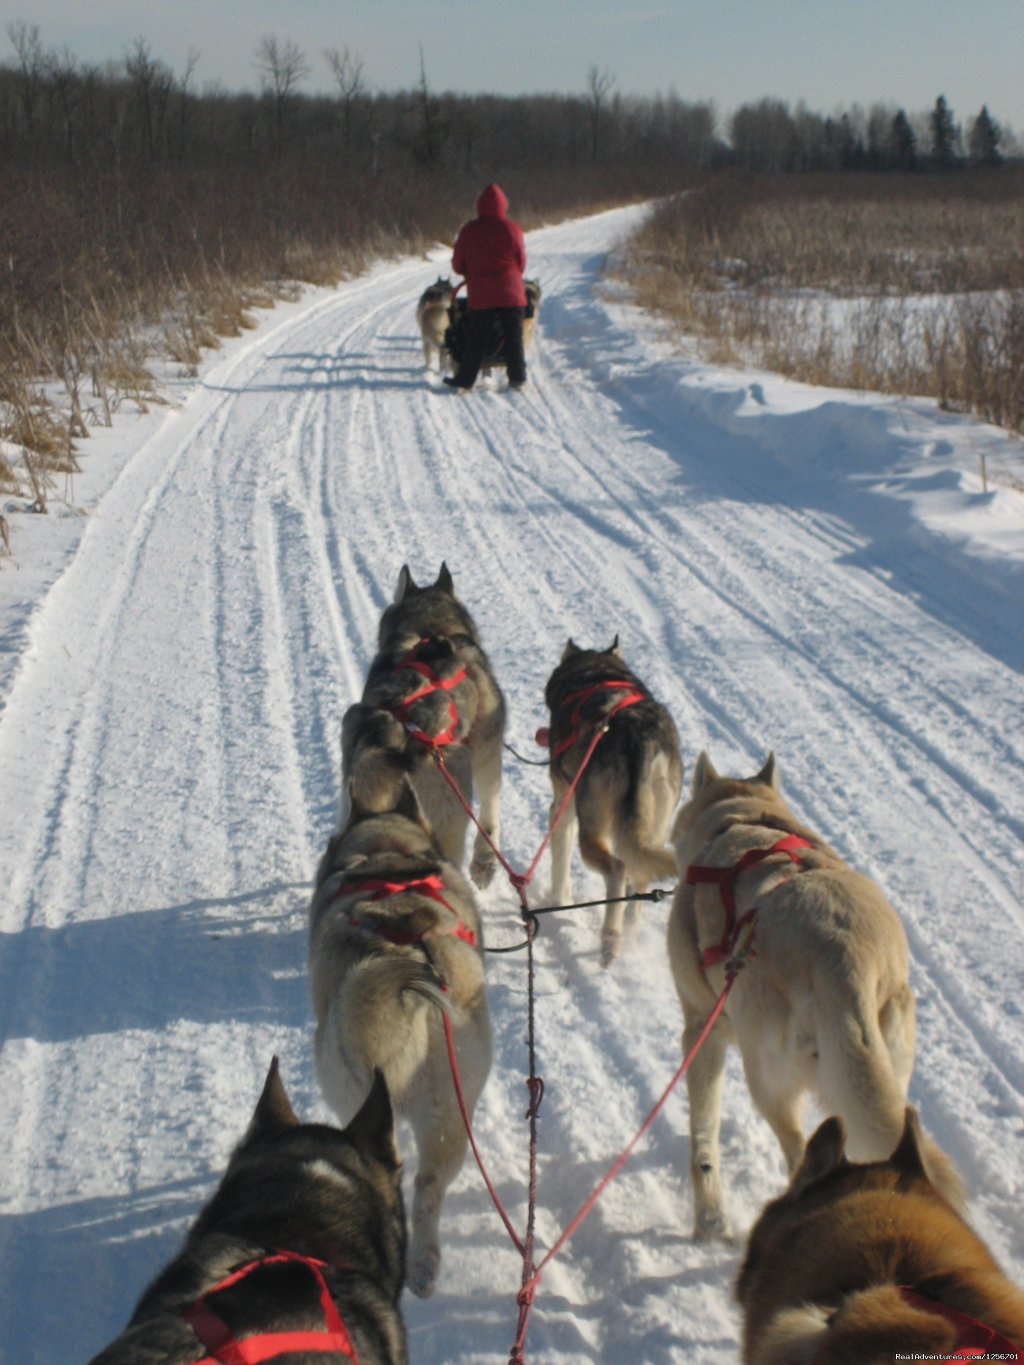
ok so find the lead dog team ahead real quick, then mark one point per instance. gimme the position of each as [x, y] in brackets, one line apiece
[302, 1252]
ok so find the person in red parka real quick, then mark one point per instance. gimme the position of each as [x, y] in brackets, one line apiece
[491, 254]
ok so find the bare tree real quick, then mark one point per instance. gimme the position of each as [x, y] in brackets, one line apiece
[347, 69]
[152, 81]
[599, 83]
[283, 66]
[27, 44]
[428, 113]
[191, 62]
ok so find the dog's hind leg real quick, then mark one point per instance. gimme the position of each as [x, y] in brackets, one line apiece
[563, 838]
[596, 854]
[487, 776]
[781, 1106]
[704, 1084]
[441, 1143]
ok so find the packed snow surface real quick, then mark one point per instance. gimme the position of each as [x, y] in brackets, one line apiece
[810, 571]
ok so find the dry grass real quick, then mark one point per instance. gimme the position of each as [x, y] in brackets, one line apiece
[897, 284]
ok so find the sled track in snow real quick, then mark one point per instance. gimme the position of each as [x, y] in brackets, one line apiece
[172, 733]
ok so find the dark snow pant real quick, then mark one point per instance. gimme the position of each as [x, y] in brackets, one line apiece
[480, 329]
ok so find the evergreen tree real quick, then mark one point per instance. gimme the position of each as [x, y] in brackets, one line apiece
[983, 140]
[943, 131]
[902, 148]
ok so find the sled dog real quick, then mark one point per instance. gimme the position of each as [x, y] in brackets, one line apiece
[432, 319]
[303, 1245]
[625, 798]
[866, 1264]
[532, 288]
[430, 687]
[823, 1006]
[391, 920]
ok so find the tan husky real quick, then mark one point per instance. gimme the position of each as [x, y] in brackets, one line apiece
[432, 319]
[864, 1265]
[627, 792]
[389, 921]
[824, 1006]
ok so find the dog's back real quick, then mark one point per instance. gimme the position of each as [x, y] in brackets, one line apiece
[376, 961]
[828, 1265]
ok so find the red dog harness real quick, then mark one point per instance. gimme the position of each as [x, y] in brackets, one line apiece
[632, 695]
[976, 1341]
[431, 887]
[725, 879]
[432, 683]
[226, 1349]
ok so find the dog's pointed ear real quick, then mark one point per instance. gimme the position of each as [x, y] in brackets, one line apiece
[372, 1131]
[571, 647]
[704, 771]
[907, 1158]
[769, 774]
[404, 585]
[823, 1154]
[444, 579]
[613, 648]
[273, 1109]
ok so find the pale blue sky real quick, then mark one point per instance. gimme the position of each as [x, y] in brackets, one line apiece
[728, 51]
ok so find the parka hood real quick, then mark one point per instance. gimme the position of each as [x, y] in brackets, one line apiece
[492, 202]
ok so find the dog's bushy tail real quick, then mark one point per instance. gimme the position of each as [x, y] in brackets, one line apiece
[384, 1018]
[869, 1328]
[652, 799]
[857, 1075]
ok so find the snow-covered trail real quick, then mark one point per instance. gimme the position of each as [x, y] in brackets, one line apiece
[786, 568]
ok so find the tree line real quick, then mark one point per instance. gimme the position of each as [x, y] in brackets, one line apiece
[769, 136]
[138, 111]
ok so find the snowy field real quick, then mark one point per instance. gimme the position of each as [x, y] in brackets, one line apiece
[810, 571]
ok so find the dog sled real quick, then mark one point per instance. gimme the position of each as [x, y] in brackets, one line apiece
[494, 355]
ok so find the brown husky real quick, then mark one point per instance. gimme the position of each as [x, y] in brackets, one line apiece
[824, 1006]
[864, 1265]
[430, 689]
[628, 791]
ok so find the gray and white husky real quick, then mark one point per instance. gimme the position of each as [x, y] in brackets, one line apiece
[390, 921]
[429, 688]
[432, 320]
[303, 1244]
[625, 798]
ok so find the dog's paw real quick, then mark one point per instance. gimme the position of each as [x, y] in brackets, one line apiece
[422, 1270]
[611, 947]
[712, 1227]
[483, 867]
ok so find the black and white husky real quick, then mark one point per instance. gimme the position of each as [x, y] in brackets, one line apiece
[626, 795]
[301, 1251]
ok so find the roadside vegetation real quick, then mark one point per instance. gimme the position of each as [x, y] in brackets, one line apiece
[901, 283]
[144, 218]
